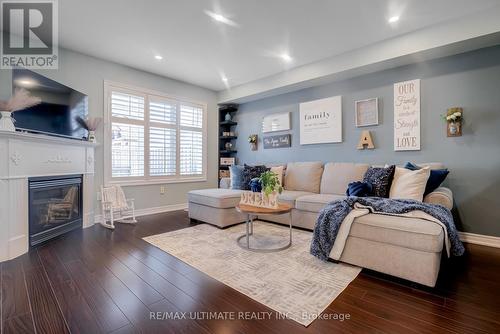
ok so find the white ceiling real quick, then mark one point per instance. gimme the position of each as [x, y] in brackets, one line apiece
[198, 50]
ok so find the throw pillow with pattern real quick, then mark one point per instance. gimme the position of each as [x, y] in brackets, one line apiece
[380, 178]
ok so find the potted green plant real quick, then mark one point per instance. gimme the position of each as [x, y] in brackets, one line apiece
[271, 188]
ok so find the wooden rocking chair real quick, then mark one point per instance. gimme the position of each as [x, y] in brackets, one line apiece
[116, 207]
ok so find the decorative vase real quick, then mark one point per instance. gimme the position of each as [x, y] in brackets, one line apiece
[227, 117]
[253, 146]
[7, 122]
[92, 138]
[454, 129]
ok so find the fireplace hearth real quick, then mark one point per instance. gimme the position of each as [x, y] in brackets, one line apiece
[55, 206]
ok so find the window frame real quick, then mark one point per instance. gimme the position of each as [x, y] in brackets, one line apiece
[147, 179]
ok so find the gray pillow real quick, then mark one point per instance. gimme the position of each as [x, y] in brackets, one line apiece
[237, 177]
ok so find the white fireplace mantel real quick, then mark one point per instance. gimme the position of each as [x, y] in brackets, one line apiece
[25, 155]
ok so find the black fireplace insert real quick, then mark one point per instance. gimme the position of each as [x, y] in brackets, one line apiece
[55, 206]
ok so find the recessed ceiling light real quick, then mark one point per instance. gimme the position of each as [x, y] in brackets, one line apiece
[286, 57]
[25, 82]
[220, 18]
[158, 57]
[393, 19]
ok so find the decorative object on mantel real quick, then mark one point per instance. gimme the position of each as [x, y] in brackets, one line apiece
[278, 141]
[253, 140]
[366, 112]
[365, 141]
[19, 101]
[454, 119]
[276, 122]
[321, 121]
[407, 115]
[90, 124]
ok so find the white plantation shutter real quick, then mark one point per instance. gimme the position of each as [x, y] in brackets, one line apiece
[191, 153]
[191, 116]
[154, 138]
[127, 106]
[162, 151]
[127, 150]
[163, 111]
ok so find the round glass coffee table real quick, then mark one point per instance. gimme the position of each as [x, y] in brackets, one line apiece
[252, 212]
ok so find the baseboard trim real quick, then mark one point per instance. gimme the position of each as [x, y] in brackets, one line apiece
[152, 211]
[479, 239]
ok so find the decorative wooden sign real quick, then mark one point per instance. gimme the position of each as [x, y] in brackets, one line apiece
[407, 115]
[277, 141]
[365, 141]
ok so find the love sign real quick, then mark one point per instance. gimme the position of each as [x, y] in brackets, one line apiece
[407, 115]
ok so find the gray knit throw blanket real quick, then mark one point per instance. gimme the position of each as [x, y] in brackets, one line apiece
[332, 215]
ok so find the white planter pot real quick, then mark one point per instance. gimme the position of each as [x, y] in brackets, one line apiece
[7, 122]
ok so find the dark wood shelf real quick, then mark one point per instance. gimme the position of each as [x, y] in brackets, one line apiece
[227, 151]
[228, 123]
[228, 137]
[225, 108]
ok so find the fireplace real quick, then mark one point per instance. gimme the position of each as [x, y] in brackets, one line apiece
[55, 206]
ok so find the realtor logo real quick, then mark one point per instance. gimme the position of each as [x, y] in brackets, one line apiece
[29, 34]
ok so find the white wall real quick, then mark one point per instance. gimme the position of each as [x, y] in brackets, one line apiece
[87, 74]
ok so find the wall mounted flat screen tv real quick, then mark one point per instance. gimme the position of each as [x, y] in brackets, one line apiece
[57, 113]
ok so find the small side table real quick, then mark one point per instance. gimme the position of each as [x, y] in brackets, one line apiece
[252, 212]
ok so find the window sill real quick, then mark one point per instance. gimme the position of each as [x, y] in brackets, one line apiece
[130, 183]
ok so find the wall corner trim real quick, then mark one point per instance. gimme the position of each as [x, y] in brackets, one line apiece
[152, 211]
[480, 239]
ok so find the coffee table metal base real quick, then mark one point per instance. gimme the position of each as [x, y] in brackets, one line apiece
[249, 232]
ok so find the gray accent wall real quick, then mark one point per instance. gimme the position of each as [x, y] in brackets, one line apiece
[470, 80]
[87, 74]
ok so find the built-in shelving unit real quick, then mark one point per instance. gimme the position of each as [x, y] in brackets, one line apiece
[227, 134]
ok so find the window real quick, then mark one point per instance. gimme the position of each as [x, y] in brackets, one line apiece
[153, 138]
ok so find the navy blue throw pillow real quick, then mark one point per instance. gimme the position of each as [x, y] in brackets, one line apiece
[436, 177]
[237, 180]
[359, 189]
[380, 179]
[251, 172]
[255, 185]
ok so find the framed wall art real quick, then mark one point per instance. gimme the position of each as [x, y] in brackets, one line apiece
[276, 122]
[321, 121]
[366, 112]
[407, 115]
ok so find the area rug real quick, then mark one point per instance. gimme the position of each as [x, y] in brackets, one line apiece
[291, 282]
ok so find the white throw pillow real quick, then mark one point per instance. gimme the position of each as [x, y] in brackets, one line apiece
[278, 170]
[409, 184]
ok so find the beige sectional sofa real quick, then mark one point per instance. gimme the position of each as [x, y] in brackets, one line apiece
[408, 248]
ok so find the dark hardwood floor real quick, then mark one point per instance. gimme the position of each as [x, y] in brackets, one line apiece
[96, 280]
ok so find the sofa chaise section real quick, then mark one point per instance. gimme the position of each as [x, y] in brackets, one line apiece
[215, 206]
